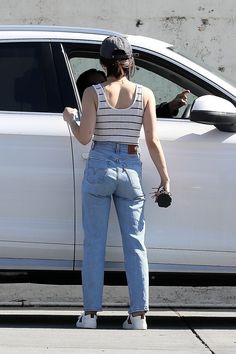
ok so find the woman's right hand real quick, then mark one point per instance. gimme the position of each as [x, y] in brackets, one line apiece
[165, 185]
[69, 114]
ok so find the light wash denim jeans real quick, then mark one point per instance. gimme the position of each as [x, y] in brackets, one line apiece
[113, 173]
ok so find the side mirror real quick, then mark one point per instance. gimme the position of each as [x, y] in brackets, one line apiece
[214, 110]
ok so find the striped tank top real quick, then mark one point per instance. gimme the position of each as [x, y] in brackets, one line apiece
[120, 125]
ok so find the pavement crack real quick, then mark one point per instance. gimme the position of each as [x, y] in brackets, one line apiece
[186, 322]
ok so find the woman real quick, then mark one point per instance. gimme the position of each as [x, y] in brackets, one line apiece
[112, 115]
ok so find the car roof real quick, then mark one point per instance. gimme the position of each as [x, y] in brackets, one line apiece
[39, 32]
[42, 28]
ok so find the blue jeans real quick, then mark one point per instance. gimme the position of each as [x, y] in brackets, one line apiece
[113, 173]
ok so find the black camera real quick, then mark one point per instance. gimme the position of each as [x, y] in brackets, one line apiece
[163, 198]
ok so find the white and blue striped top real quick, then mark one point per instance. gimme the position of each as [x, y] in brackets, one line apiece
[121, 125]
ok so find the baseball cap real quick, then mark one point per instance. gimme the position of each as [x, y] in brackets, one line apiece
[114, 47]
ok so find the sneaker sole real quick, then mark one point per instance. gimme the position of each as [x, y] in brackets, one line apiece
[83, 327]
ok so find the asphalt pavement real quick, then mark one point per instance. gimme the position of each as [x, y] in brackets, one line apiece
[38, 318]
[27, 294]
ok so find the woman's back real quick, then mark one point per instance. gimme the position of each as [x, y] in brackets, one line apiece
[120, 94]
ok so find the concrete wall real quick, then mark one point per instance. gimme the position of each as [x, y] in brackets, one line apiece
[203, 29]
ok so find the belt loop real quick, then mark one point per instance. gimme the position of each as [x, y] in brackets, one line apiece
[117, 148]
[93, 145]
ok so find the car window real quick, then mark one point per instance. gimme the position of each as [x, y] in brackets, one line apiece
[79, 65]
[163, 89]
[159, 82]
[27, 78]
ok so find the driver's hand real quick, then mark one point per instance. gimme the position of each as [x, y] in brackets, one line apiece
[179, 101]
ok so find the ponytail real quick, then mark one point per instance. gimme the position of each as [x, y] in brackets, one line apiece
[119, 67]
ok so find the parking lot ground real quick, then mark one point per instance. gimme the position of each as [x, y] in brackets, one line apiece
[27, 294]
[171, 330]
[214, 327]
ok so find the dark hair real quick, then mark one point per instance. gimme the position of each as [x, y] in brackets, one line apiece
[88, 78]
[116, 67]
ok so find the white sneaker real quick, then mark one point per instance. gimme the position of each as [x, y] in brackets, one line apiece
[87, 321]
[135, 322]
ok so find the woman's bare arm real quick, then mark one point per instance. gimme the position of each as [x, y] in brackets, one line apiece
[152, 140]
[84, 131]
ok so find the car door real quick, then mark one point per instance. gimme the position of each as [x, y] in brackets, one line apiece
[36, 179]
[197, 231]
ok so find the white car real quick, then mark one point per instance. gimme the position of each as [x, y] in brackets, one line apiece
[42, 163]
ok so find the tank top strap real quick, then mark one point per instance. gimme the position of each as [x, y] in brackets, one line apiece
[102, 102]
[139, 97]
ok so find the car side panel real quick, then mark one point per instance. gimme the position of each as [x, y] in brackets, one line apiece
[199, 227]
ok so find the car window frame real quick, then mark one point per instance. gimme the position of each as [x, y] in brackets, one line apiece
[155, 62]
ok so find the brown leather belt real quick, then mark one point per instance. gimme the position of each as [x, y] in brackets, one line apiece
[132, 149]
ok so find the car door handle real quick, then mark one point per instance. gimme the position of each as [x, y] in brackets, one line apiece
[85, 155]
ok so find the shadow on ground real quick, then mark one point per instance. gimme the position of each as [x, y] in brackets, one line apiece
[115, 322]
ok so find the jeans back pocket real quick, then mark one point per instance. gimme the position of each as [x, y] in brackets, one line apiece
[96, 170]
